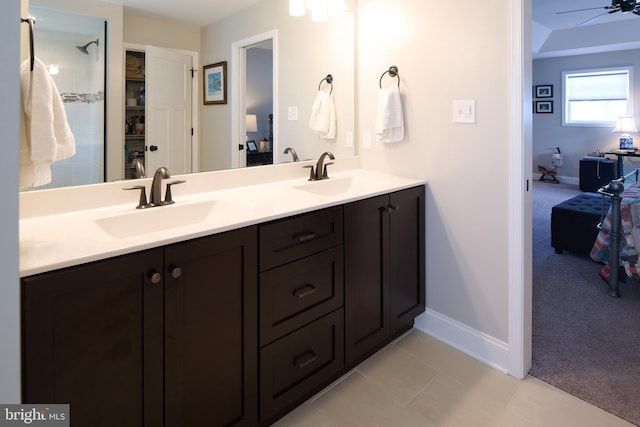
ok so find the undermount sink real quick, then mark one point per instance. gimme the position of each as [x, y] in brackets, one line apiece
[336, 186]
[138, 222]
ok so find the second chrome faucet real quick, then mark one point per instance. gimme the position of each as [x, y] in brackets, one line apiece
[155, 198]
[320, 171]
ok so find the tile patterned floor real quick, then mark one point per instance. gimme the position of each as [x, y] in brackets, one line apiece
[419, 381]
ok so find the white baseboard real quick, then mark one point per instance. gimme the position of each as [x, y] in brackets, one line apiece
[478, 345]
[573, 180]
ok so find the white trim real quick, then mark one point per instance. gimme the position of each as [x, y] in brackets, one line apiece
[238, 87]
[476, 344]
[519, 295]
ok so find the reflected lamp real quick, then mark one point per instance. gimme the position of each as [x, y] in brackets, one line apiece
[625, 125]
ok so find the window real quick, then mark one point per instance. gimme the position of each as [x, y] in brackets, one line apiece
[597, 97]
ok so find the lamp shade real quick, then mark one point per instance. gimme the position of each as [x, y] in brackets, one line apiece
[625, 125]
[251, 124]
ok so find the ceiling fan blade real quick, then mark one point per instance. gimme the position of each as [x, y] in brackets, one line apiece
[590, 20]
[580, 10]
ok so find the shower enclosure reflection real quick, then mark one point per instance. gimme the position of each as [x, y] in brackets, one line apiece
[69, 45]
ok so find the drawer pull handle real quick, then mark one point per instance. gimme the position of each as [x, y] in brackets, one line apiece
[304, 237]
[304, 291]
[304, 359]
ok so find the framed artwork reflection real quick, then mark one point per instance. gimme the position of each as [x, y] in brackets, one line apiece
[544, 106]
[215, 83]
[544, 91]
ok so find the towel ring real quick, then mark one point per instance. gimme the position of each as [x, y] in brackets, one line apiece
[329, 80]
[30, 21]
[393, 72]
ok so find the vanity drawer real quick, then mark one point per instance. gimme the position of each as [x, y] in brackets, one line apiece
[301, 362]
[294, 238]
[298, 293]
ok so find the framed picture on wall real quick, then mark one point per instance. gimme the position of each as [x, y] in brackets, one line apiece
[215, 83]
[544, 106]
[544, 91]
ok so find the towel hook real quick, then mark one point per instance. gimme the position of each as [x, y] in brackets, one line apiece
[30, 21]
[393, 72]
[329, 80]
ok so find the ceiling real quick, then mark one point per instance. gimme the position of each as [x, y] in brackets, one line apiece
[554, 34]
[545, 13]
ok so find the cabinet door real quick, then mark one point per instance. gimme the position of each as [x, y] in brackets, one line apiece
[366, 228]
[211, 331]
[93, 339]
[407, 258]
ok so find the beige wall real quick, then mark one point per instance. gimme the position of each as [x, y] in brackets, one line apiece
[142, 30]
[444, 56]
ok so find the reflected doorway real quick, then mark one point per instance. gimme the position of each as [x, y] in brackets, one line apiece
[251, 94]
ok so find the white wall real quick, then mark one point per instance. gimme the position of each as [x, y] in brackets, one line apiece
[576, 141]
[307, 52]
[444, 57]
[10, 27]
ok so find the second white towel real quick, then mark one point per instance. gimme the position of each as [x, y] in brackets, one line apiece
[323, 116]
[390, 118]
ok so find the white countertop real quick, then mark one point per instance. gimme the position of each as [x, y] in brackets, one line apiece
[67, 227]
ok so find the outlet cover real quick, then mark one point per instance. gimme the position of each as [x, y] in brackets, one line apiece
[292, 114]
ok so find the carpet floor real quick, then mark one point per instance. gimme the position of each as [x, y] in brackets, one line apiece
[584, 342]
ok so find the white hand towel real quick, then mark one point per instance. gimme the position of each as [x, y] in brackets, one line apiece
[323, 116]
[389, 125]
[48, 136]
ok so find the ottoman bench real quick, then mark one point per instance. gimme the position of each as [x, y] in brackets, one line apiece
[574, 222]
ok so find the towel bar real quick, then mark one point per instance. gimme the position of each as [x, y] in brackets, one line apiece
[393, 72]
[30, 21]
[329, 80]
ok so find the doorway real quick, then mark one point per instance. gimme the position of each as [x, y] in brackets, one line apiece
[243, 53]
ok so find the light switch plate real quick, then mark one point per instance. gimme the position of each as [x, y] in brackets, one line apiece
[464, 111]
[292, 114]
[349, 139]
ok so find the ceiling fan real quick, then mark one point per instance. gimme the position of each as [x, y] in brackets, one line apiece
[623, 6]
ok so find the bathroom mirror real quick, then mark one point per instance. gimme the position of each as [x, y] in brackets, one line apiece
[304, 54]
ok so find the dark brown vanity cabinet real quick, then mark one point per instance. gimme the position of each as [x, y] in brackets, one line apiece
[234, 329]
[384, 269]
[301, 317]
[156, 338]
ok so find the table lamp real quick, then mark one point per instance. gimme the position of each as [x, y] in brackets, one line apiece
[251, 124]
[625, 125]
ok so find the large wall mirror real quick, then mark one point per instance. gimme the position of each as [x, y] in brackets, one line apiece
[301, 55]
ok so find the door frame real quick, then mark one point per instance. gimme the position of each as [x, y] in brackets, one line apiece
[238, 75]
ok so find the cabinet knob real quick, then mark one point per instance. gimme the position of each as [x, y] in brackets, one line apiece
[155, 277]
[176, 272]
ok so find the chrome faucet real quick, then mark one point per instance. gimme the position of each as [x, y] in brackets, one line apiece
[321, 168]
[156, 190]
[155, 198]
[293, 153]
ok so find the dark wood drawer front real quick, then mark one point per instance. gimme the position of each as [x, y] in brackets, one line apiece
[299, 363]
[294, 238]
[295, 294]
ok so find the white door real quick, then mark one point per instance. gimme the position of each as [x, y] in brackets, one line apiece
[168, 110]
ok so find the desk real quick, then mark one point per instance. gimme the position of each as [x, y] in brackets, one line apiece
[621, 155]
